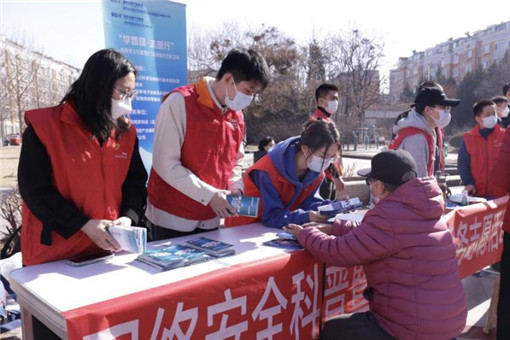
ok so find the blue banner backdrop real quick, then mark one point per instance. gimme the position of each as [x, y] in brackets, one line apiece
[152, 34]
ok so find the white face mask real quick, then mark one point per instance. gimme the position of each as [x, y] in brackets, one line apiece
[505, 112]
[121, 107]
[443, 120]
[332, 106]
[317, 164]
[489, 122]
[240, 100]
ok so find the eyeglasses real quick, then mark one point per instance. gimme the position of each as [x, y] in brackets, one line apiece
[126, 94]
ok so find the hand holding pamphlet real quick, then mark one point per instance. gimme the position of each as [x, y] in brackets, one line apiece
[133, 239]
[212, 247]
[244, 205]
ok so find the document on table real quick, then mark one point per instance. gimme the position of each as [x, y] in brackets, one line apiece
[132, 239]
[356, 216]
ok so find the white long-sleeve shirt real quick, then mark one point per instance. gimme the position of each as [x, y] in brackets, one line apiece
[169, 134]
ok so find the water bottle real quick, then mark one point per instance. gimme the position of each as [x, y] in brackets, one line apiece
[465, 197]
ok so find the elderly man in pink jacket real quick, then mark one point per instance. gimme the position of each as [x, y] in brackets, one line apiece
[407, 252]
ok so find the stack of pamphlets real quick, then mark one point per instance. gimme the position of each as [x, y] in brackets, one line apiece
[340, 207]
[173, 257]
[285, 240]
[133, 239]
[244, 205]
[212, 247]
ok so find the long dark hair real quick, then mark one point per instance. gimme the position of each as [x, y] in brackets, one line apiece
[264, 142]
[92, 92]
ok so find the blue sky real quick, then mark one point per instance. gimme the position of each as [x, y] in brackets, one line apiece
[71, 30]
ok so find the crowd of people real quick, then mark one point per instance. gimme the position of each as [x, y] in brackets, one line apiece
[80, 171]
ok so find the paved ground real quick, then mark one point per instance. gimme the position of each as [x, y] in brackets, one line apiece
[9, 156]
[478, 288]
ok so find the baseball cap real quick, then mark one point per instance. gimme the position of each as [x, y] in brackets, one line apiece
[430, 96]
[390, 166]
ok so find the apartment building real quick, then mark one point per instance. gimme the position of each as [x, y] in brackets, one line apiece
[29, 80]
[453, 58]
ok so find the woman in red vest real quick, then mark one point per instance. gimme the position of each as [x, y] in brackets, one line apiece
[287, 181]
[80, 169]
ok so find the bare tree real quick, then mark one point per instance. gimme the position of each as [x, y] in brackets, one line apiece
[354, 61]
[20, 74]
[351, 62]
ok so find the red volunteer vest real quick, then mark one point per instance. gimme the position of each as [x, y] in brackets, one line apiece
[284, 188]
[209, 150]
[483, 156]
[84, 173]
[410, 131]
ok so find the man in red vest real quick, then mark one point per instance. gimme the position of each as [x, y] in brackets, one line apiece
[478, 150]
[326, 96]
[198, 148]
[416, 133]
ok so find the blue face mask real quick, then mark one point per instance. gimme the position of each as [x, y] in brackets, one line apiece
[374, 199]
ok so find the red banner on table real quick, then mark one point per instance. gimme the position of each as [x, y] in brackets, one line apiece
[343, 291]
[279, 297]
[478, 234]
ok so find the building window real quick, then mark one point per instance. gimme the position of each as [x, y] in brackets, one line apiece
[469, 54]
[486, 49]
[456, 59]
[485, 64]
[456, 73]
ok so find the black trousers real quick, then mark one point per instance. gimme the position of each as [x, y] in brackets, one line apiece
[503, 330]
[357, 326]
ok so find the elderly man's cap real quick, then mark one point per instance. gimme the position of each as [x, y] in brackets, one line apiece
[390, 166]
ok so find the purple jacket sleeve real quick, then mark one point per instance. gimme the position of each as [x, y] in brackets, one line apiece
[342, 227]
[371, 240]
[500, 174]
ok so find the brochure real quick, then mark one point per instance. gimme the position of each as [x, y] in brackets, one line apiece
[212, 247]
[339, 207]
[244, 205]
[133, 239]
[173, 256]
[284, 243]
[285, 235]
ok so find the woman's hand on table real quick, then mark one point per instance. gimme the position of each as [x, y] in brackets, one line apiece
[97, 231]
[325, 228]
[293, 229]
